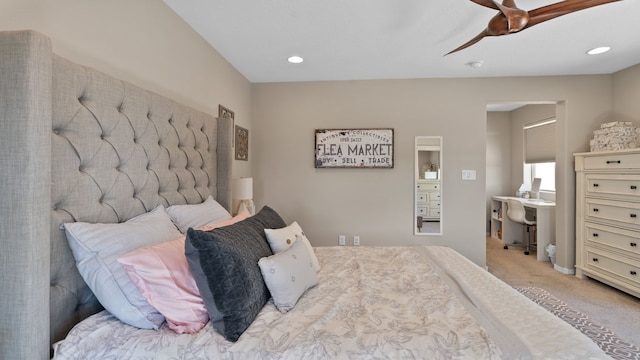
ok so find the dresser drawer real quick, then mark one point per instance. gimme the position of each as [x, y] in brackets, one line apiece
[617, 212]
[612, 162]
[618, 239]
[421, 211]
[619, 185]
[423, 198]
[621, 268]
[434, 204]
[434, 212]
[428, 186]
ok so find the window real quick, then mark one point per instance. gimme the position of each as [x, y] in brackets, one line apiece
[546, 171]
[539, 154]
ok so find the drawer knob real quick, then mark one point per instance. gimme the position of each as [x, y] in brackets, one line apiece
[633, 244]
[595, 235]
[596, 185]
[595, 259]
[595, 210]
[633, 187]
[633, 273]
[613, 161]
[633, 215]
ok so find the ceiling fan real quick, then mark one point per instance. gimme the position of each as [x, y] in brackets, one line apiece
[512, 19]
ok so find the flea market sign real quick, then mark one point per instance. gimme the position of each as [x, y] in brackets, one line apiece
[354, 148]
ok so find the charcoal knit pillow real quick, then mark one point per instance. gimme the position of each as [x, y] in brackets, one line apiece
[224, 264]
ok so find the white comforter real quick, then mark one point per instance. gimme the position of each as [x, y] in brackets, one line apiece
[370, 303]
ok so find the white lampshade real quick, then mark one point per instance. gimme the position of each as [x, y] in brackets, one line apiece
[243, 189]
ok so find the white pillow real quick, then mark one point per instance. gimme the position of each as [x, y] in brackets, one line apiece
[281, 239]
[96, 248]
[288, 274]
[198, 215]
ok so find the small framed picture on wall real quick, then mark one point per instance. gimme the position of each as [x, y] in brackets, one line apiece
[242, 143]
[224, 112]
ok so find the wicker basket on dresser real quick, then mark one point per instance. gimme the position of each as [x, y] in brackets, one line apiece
[608, 218]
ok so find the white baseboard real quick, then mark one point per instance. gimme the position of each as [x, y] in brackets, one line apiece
[564, 270]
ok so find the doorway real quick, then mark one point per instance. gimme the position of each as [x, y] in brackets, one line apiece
[505, 169]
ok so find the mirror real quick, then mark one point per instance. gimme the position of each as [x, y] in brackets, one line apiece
[428, 185]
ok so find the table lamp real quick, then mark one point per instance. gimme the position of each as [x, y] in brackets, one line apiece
[243, 191]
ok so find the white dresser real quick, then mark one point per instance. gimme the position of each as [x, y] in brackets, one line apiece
[608, 218]
[428, 202]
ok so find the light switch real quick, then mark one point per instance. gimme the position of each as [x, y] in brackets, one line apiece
[468, 174]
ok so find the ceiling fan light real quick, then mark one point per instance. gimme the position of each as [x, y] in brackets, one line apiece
[295, 59]
[599, 50]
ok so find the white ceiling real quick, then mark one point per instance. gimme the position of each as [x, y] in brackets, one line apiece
[399, 39]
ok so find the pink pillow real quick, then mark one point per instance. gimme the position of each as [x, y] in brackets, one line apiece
[241, 216]
[162, 275]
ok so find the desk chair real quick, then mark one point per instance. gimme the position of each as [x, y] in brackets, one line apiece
[517, 213]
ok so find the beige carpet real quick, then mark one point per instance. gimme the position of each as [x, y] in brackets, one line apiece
[611, 308]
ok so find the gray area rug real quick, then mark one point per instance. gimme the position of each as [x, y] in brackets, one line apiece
[613, 345]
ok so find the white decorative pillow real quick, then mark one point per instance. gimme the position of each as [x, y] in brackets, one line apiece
[282, 239]
[96, 248]
[288, 274]
[198, 215]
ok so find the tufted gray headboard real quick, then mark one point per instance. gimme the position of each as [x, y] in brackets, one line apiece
[78, 145]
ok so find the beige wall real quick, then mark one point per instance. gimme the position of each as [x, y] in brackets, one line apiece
[626, 94]
[377, 204]
[142, 42]
[498, 160]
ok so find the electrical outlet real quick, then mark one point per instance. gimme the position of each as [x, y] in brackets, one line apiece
[356, 240]
[342, 240]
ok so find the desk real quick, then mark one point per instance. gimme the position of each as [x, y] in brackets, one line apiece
[508, 231]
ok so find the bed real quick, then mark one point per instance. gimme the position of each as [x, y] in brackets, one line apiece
[107, 152]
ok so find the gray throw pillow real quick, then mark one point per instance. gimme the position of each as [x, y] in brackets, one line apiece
[224, 264]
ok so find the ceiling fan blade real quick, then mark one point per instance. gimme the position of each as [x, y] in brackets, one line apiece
[487, 3]
[553, 11]
[517, 19]
[470, 42]
[509, 3]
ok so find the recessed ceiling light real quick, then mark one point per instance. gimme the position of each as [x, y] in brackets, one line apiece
[598, 50]
[295, 59]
